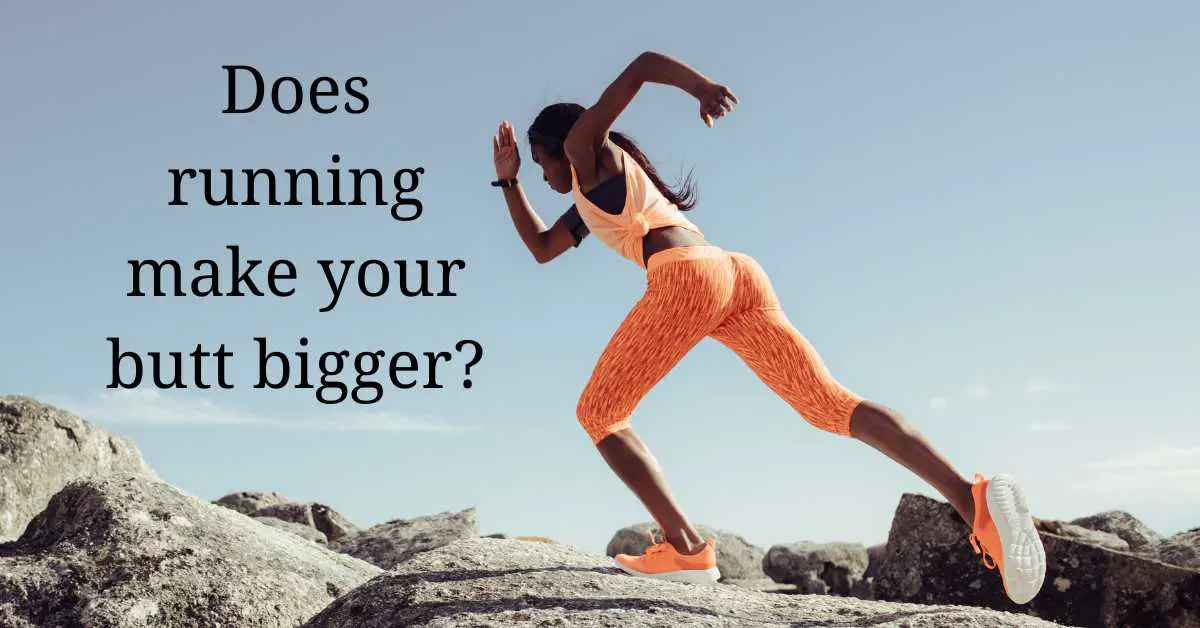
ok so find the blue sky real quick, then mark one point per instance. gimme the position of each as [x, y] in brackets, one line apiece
[982, 216]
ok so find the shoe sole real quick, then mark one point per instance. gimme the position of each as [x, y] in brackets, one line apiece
[1024, 556]
[690, 576]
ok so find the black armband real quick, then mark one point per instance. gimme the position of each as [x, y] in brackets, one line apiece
[576, 226]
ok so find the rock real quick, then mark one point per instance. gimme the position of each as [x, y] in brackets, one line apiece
[534, 539]
[130, 551]
[866, 587]
[1183, 549]
[499, 583]
[764, 585]
[736, 557]
[817, 568]
[299, 529]
[318, 516]
[1137, 534]
[1098, 538]
[389, 544]
[249, 502]
[929, 560]
[876, 554]
[42, 448]
[496, 536]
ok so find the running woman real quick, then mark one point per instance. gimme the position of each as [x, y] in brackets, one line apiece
[696, 290]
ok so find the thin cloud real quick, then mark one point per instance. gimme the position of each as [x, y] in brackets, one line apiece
[937, 403]
[1049, 427]
[152, 407]
[1170, 468]
[1038, 387]
[978, 390]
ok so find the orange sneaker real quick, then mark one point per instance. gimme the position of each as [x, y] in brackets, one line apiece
[1003, 532]
[662, 562]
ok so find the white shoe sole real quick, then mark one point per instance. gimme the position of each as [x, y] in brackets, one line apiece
[691, 576]
[1024, 556]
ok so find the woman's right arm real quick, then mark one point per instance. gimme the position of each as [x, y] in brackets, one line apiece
[545, 244]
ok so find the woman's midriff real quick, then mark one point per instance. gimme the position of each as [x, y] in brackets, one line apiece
[665, 238]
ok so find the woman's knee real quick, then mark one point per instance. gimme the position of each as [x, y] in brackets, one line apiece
[835, 415]
[598, 420]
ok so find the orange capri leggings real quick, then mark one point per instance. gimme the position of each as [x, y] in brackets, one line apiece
[703, 291]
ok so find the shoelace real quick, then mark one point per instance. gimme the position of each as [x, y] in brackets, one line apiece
[988, 561]
[656, 546]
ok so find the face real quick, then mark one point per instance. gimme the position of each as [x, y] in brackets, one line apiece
[556, 171]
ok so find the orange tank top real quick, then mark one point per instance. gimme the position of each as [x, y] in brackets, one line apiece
[645, 208]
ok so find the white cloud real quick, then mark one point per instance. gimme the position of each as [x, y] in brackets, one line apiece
[937, 403]
[978, 390]
[1152, 470]
[1038, 387]
[1049, 427]
[152, 407]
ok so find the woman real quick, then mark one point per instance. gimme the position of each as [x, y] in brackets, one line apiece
[696, 290]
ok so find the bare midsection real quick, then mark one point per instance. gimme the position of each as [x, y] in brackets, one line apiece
[665, 238]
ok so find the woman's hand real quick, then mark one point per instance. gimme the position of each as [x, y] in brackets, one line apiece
[505, 153]
[715, 101]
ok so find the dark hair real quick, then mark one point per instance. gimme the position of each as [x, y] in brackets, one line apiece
[549, 131]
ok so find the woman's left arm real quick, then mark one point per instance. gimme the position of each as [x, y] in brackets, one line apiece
[590, 131]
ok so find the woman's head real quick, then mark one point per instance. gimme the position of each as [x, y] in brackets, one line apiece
[549, 132]
[547, 135]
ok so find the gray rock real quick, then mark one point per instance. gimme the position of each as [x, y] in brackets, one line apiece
[500, 583]
[930, 561]
[736, 557]
[317, 516]
[249, 502]
[818, 568]
[1137, 534]
[1099, 538]
[128, 551]
[389, 544]
[866, 587]
[42, 448]
[299, 529]
[764, 585]
[1183, 549]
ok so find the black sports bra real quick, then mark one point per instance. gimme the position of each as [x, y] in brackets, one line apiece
[609, 196]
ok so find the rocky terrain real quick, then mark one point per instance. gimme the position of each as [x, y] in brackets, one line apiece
[90, 536]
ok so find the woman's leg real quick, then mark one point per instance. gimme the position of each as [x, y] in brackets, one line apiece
[761, 334]
[1002, 530]
[681, 306]
[887, 431]
[632, 461]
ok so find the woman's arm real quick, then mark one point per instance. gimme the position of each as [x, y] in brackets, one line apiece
[591, 130]
[545, 244]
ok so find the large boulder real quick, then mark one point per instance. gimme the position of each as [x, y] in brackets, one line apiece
[930, 560]
[328, 521]
[1131, 530]
[818, 568]
[249, 502]
[129, 551]
[736, 557]
[1183, 549]
[391, 543]
[1099, 538]
[503, 582]
[299, 529]
[42, 448]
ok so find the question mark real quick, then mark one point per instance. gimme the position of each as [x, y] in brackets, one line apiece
[474, 360]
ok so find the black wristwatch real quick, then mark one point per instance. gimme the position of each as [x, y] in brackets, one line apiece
[504, 183]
